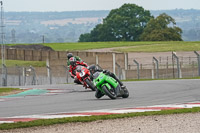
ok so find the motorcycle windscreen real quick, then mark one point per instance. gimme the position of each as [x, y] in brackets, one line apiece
[96, 74]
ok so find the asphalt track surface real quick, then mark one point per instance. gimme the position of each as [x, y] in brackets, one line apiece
[74, 98]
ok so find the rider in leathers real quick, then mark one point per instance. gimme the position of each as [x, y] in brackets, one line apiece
[94, 69]
[72, 68]
[69, 55]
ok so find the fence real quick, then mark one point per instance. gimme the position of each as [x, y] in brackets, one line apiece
[22, 76]
[164, 67]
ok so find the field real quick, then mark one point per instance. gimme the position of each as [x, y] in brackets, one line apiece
[126, 46]
[129, 46]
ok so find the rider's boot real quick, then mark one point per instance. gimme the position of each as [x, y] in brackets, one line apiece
[98, 94]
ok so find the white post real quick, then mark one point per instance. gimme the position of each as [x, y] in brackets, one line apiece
[97, 60]
[123, 74]
[180, 74]
[152, 72]
[114, 63]
[126, 61]
[24, 76]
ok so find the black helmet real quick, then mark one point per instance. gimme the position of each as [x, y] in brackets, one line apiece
[69, 55]
[72, 61]
[93, 69]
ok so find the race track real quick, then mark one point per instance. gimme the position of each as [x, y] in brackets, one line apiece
[74, 98]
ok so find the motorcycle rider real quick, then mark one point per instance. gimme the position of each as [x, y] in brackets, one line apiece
[94, 68]
[69, 55]
[72, 68]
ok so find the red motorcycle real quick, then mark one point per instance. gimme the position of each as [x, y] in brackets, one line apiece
[83, 75]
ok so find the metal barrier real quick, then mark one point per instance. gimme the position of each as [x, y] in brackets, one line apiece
[173, 66]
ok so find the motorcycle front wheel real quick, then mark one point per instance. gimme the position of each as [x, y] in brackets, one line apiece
[109, 92]
[90, 84]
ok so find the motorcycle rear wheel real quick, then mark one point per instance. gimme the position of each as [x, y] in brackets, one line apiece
[110, 93]
[90, 84]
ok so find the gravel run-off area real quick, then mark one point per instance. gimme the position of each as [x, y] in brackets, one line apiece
[177, 123]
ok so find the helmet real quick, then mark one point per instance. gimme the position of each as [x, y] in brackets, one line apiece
[69, 55]
[72, 61]
[93, 69]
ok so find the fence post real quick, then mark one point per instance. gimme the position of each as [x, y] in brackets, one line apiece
[24, 76]
[126, 61]
[114, 62]
[157, 67]
[173, 64]
[198, 60]
[19, 74]
[34, 75]
[138, 68]
[97, 59]
[49, 74]
[48, 71]
[178, 66]
[119, 71]
[67, 73]
[4, 75]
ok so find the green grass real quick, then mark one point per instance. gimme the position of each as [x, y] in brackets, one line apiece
[91, 45]
[3, 90]
[133, 46]
[48, 122]
[11, 63]
[164, 47]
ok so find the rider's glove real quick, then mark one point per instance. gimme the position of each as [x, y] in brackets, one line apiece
[105, 71]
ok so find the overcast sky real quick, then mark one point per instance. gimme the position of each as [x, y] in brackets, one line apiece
[79, 5]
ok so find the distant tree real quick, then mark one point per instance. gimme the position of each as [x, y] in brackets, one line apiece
[162, 28]
[84, 37]
[123, 24]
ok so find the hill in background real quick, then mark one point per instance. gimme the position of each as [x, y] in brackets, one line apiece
[32, 27]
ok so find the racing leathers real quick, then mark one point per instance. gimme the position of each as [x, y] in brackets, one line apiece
[72, 70]
[98, 93]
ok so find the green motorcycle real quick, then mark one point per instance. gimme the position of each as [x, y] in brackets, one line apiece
[109, 86]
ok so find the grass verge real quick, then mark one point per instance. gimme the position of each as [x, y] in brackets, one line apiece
[7, 90]
[48, 122]
[12, 63]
